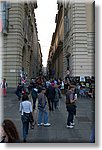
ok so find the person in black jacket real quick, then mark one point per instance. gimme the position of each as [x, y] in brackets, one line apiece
[71, 106]
[50, 93]
[19, 91]
[34, 94]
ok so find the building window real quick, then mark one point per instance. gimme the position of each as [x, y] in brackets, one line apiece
[94, 15]
[66, 25]
[5, 16]
[67, 63]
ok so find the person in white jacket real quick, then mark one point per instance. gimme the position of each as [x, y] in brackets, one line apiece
[26, 111]
[4, 87]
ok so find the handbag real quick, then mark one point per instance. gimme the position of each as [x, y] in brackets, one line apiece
[28, 117]
[31, 120]
[25, 117]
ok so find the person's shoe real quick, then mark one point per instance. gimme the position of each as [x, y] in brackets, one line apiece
[70, 127]
[47, 124]
[32, 126]
[19, 98]
[72, 124]
[24, 140]
[41, 124]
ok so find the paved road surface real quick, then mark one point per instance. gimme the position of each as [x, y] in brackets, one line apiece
[57, 132]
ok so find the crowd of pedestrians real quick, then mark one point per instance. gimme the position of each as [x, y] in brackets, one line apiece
[47, 94]
[44, 96]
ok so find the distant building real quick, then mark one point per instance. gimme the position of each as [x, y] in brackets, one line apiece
[72, 50]
[39, 65]
[44, 70]
[20, 41]
[55, 58]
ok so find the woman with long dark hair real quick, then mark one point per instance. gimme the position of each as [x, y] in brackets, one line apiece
[9, 133]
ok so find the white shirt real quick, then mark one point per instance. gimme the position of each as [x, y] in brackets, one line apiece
[26, 107]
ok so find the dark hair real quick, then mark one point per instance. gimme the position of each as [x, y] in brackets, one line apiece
[43, 88]
[25, 97]
[11, 131]
[71, 86]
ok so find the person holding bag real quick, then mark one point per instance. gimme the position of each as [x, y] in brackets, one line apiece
[26, 115]
[71, 106]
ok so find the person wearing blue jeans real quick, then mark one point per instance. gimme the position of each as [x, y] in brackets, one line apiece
[26, 110]
[25, 130]
[70, 115]
[40, 116]
[92, 136]
[42, 107]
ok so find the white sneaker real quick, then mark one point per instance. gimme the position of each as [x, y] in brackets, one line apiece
[72, 124]
[70, 127]
[40, 124]
[47, 124]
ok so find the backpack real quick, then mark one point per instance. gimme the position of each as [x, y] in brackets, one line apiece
[57, 93]
[34, 93]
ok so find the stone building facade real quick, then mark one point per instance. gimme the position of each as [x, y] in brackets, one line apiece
[39, 65]
[55, 58]
[78, 42]
[20, 41]
[79, 38]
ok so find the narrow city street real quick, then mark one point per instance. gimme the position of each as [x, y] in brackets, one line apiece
[47, 47]
[57, 132]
